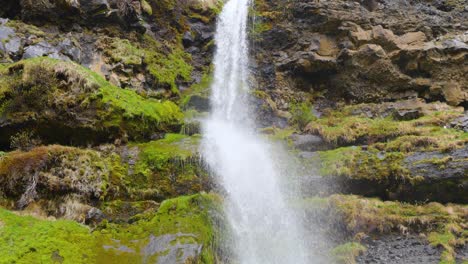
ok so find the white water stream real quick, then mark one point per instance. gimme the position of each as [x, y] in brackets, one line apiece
[264, 229]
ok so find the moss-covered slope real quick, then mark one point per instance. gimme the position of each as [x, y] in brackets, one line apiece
[184, 229]
[66, 103]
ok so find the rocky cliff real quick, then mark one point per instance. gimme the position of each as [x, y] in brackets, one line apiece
[99, 109]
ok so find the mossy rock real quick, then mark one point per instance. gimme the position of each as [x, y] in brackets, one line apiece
[168, 167]
[372, 123]
[54, 175]
[181, 224]
[67, 103]
[56, 172]
[409, 176]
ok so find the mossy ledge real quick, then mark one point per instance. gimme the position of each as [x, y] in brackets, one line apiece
[50, 177]
[396, 175]
[358, 217]
[66, 103]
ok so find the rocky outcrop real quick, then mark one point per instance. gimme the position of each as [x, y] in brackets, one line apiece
[64, 103]
[78, 183]
[342, 49]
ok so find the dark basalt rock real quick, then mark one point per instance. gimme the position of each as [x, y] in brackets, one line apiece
[398, 249]
[199, 103]
[461, 122]
[170, 250]
[309, 143]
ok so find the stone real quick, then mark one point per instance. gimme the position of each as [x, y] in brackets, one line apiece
[38, 50]
[199, 103]
[94, 216]
[308, 143]
[411, 39]
[461, 122]
[67, 47]
[451, 91]
[407, 114]
[170, 249]
[187, 39]
[384, 38]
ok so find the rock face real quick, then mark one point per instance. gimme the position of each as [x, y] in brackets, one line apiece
[398, 249]
[394, 50]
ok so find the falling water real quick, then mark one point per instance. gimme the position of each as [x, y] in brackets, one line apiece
[264, 229]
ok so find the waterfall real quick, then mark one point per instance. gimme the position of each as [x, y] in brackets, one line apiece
[264, 229]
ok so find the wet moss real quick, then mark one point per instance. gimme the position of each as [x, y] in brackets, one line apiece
[301, 114]
[346, 253]
[25, 239]
[169, 167]
[61, 171]
[200, 89]
[356, 163]
[167, 69]
[448, 237]
[188, 219]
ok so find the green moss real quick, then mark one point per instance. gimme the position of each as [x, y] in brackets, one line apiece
[448, 238]
[355, 163]
[121, 50]
[189, 215]
[88, 172]
[373, 215]
[279, 134]
[259, 27]
[302, 114]
[167, 62]
[198, 89]
[24, 239]
[128, 106]
[439, 139]
[168, 68]
[346, 253]
[146, 7]
[342, 127]
[23, 28]
[31, 86]
[169, 167]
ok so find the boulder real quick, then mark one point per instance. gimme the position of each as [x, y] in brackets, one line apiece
[308, 143]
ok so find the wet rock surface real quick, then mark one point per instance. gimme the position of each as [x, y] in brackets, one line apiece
[395, 249]
[170, 250]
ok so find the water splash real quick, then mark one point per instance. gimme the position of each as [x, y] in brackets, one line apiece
[264, 229]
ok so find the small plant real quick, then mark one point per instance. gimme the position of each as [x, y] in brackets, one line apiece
[302, 114]
[24, 141]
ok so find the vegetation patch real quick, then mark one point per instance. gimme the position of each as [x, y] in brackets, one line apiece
[38, 173]
[344, 127]
[169, 167]
[45, 91]
[186, 219]
[371, 215]
[25, 239]
[346, 253]
[356, 163]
